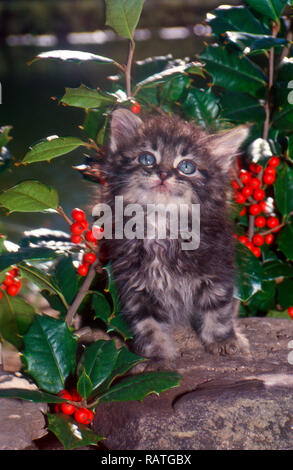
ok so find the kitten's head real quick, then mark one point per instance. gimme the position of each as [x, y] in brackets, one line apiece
[167, 160]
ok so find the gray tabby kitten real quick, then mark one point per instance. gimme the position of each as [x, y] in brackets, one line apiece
[167, 160]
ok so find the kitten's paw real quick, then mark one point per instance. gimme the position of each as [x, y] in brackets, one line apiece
[154, 364]
[226, 347]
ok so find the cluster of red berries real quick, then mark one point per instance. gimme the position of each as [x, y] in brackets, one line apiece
[11, 285]
[135, 108]
[81, 415]
[248, 191]
[80, 228]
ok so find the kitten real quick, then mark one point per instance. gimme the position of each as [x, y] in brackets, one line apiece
[167, 160]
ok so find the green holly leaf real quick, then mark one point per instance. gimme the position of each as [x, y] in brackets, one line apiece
[84, 97]
[285, 241]
[98, 361]
[10, 258]
[84, 385]
[139, 386]
[241, 107]
[52, 147]
[264, 299]
[36, 396]
[29, 196]
[101, 306]
[275, 269]
[65, 278]
[248, 273]
[285, 293]
[270, 8]
[235, 18]
[16, 316]
[202, 106]
[254, 43]
[71, 434]
[123, 16]
[283, 188]
[49, 353]
[170, 73]
[234, 72]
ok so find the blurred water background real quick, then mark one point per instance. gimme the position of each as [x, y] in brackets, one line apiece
[30, 27]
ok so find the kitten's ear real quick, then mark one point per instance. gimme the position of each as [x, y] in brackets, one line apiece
[225, 145]
[124, 125]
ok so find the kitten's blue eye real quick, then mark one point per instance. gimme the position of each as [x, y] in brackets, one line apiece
[147, 159]
[186, 167]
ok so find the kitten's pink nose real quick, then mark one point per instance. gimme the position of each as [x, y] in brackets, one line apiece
[163, 175]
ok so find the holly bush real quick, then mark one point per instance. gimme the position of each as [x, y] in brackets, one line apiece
[243, 75]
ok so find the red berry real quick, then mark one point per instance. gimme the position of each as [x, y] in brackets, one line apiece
[82, 269]
[247, 191]
[90, 236]
[262, 205]
[14, 272]
[75, 395]
[84, 416]
[9, 281]
[269, 238]
[256, 251]
[64, 394]
[57, 408]
[78, 215]
[239, 198]
[17, 283]
[243, 212]
[12, 290]
[269, 179]
[136, 108]
[249, 245]
[258, 239]
[243, 239]
[3, 287]
[85, 224]
[254, 209]
[76, 239]
[274, 161]
[272, 222]
[1, 295]
[290, 312]
[76, 228]
[270, 171]
[259, 194]
[254, 183]
[89, 258]
[235, 185]
[235, 236]
[245, 177]
[255, 168]
[67, 408]
[260, 221]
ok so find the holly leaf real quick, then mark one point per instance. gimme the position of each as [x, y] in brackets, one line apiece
[71, 435]
[248, 273]
[52, 147]
[241, 107]
[123, 16]
[36, 396]
[254, 43]
[270, 8]
[235, 18]
[275, 269]
[264, 299]
[84, 97]
[16, 316]
[72, 56]
[234, 72]
[49, 353]
[201, 105]
[285, 241]
[10, 258]
[139, 386]
[285, 293]
[84, 385]
[283, 188]
[98, 361]
[65, 278]
[29, 196]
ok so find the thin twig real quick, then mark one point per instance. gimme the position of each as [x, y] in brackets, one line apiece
[81, 293]
[128, 67]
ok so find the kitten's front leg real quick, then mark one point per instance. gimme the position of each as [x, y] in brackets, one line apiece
[149, 326]
[217, 331]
